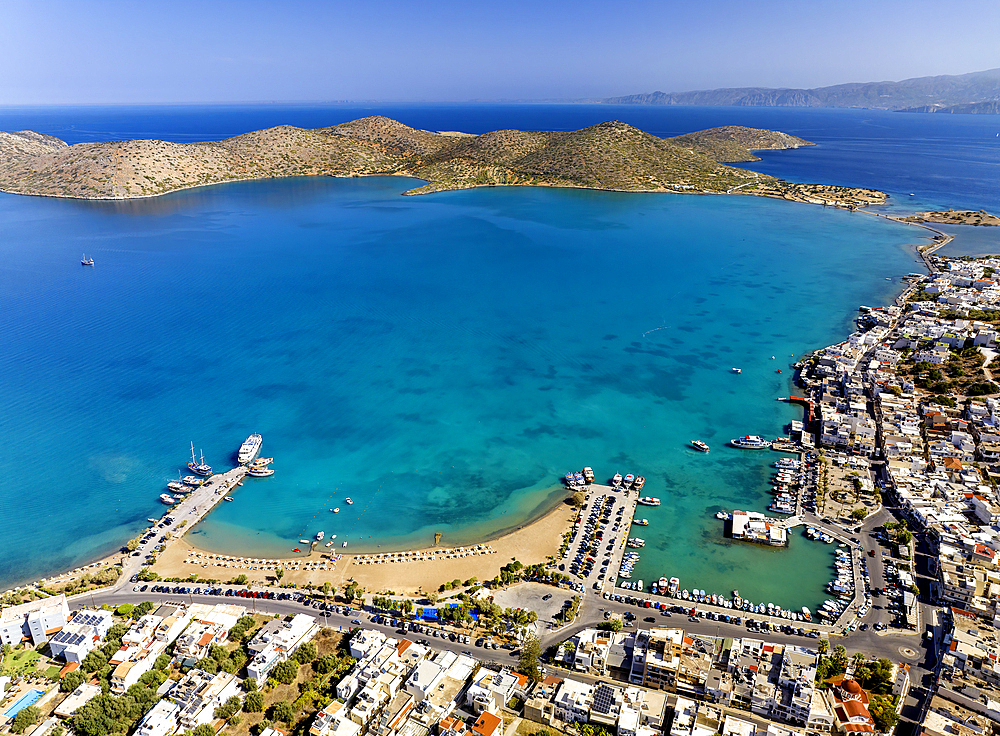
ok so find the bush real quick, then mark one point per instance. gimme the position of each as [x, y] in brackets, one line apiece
[125, 609]
[258, 728]
[325, 664]
[72, 681]
[306, 653]
[204, 729]
[282, 711]
[94, 661]
[27, 717]
[285, 672]
[254, 702]
[229, 709]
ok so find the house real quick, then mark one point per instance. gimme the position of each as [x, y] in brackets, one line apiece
[78, 637]
[161, 720]
[200, 693]
[488, 724]
[277, 641]
[77, 699]
[35, 621]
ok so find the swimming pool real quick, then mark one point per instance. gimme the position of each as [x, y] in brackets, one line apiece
[29, 698]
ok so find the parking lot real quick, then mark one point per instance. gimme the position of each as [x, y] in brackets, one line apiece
[544, 600]
[595, 548]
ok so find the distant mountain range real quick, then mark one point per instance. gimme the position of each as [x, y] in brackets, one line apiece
[976, 92]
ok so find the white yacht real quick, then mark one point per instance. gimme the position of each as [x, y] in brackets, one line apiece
[250, 448]
[750, 442]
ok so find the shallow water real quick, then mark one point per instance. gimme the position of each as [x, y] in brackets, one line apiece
[443, 360]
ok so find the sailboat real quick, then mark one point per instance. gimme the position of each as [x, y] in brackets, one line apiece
[86, 261]
[199, 468]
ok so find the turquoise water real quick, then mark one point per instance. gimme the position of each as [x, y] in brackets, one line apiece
[29, 698]
[443, 360]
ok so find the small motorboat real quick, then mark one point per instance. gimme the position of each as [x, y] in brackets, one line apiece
[87, 261]
[348, 501]
[336, 510]
[736, 370]
[296, 549]
[699, 445]
[228, 498]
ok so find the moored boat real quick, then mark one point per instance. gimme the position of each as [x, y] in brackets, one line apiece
[699, 445]
[629, 480]
[641, 522]
[319, 535]
[750, 442]
[228, 498]
[199, 468]
[617, 480]
[192, 480]
[249, 449]
[588, 474]
[260, 471]
[649, 501]
[167, 499]
[736, 370]
[177, 487]
[349, 501]
[640, 481]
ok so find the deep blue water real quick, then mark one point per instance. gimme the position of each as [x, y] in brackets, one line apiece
[442, 359]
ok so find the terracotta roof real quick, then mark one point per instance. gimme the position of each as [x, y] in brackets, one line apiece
[487, 723]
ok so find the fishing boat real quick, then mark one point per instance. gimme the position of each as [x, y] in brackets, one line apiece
[153, 521]
[263, 461]
[629, 480]
[329, 544]
[617, 480]
[641, 522]
[588, 474]
[87, 261]
[750, 442]
[304, 541]
[192, 480]
[336, 510]
[348, 501]
[649, 501]
[320, 535]
[199, 468]
[260, 471]
[250, 448]
[640, 481]
[228, 498]
[167, 499]
[699, 445]
[177, 487]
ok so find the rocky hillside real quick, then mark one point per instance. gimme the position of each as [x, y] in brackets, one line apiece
[918, 93]
[611, 155]
[734, 143]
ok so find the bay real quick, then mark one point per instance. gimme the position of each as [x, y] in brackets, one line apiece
[443, 360]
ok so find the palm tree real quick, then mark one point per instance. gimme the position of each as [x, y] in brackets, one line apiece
[823, 646]
[857, 658]
[840, 653]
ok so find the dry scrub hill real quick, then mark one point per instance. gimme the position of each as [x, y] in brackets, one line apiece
[611, 155]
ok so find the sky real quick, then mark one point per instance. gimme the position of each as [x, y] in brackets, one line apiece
[152, 51]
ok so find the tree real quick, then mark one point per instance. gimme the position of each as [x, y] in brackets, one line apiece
[859, 514]
[282, 711]
[326, 589]
[203, 729]
[142, 609]
[254, 702]
[857, 659]
[306, 653]
[94, 661]
[240, 579]
[229, 709]
[840, 654]
[823, 646]
[279, 573]
[258, 728]
[27, 717]
[162, 662]
[72, 681]
[325, 664]
[883, 713]
[208, 664]
[285, 672]
[125, 609]
[527, 663]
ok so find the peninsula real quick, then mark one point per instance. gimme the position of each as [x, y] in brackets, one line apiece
[611, 156]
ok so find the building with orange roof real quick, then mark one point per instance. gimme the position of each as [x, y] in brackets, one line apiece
[488, 724]
[850, 709]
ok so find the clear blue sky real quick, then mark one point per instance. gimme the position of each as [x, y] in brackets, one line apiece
[97, 51]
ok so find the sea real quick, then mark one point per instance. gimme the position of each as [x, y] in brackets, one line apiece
[445, 359]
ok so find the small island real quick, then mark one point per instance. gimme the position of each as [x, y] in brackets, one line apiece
[611, 156]
[954, 217]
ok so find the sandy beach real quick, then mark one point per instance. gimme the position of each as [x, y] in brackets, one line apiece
[403, 573]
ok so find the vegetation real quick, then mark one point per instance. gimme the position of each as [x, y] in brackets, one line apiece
[883, 711]
[26, 717]
[610, 155]
[527, 663]
[113, 714]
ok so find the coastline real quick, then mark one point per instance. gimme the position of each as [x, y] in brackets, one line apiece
[428, 568]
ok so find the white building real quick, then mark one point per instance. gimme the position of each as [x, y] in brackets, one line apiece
[84, 632]
[277, 641]
[35, 621]
[161, 720]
